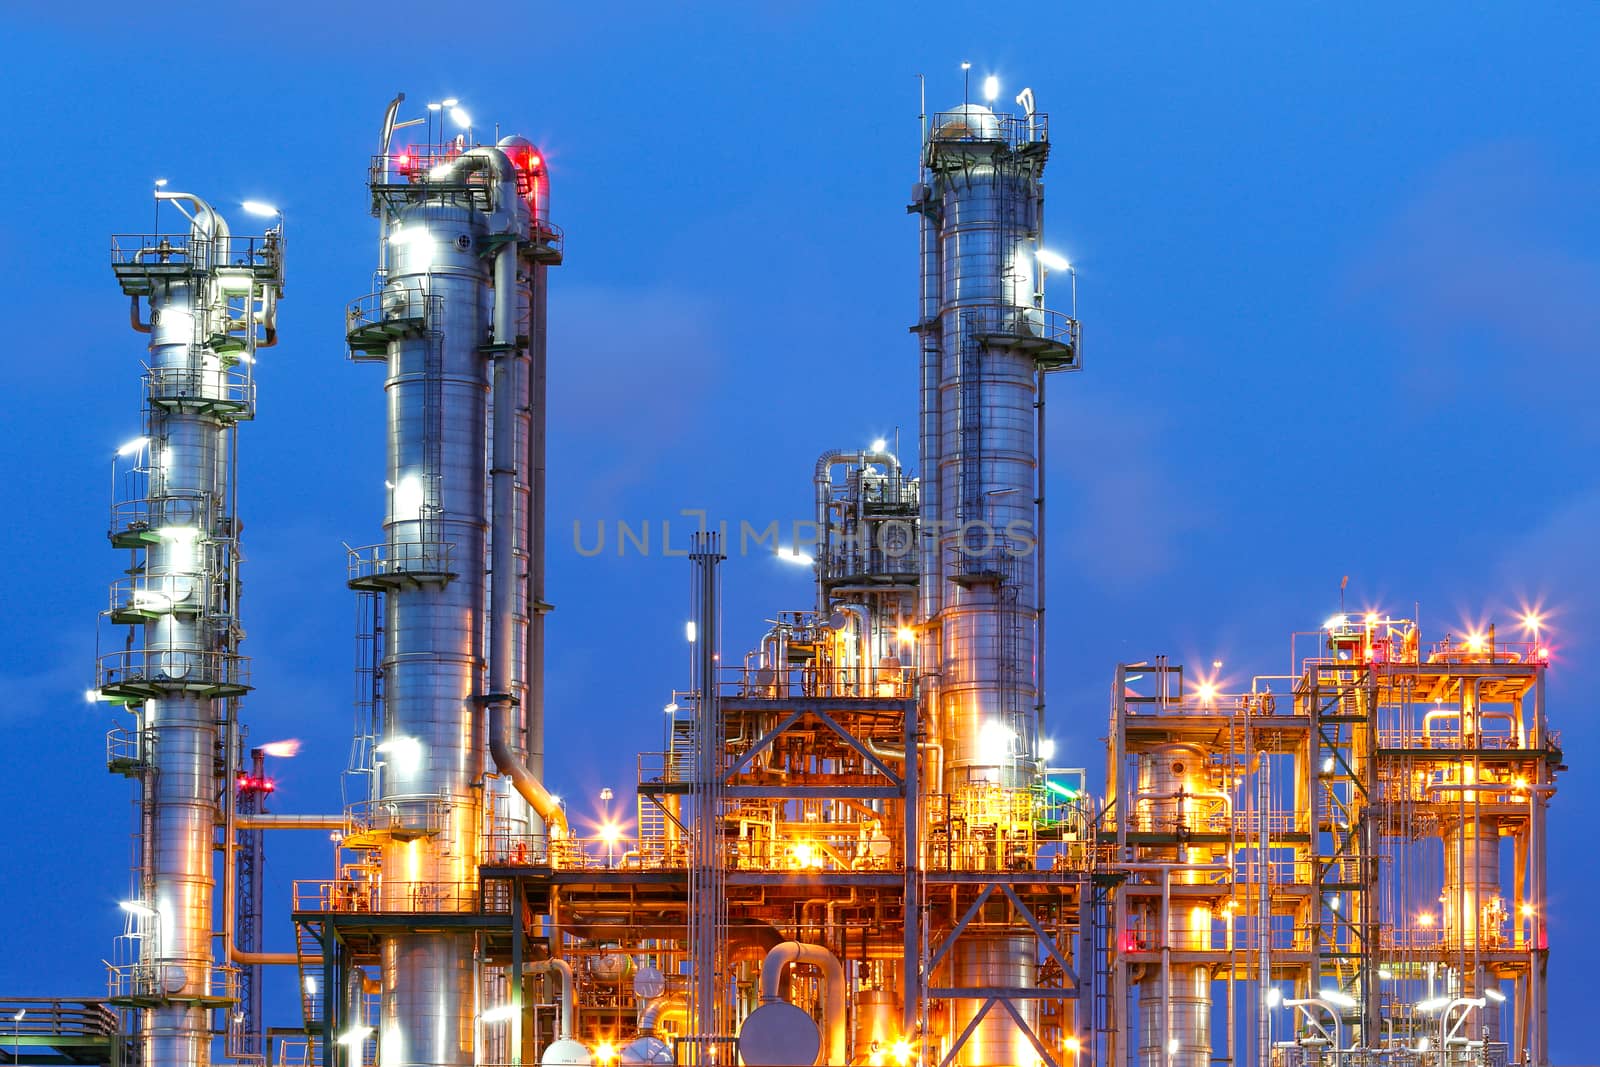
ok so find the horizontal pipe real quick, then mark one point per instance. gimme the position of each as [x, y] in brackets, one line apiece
[274, 821]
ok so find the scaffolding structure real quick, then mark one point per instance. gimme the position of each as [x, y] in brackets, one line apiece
[1326, 860]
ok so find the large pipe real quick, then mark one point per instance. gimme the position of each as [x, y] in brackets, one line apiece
[274, 821]
[510, 213]
[822, 482]
[563, 971]
[833, 989]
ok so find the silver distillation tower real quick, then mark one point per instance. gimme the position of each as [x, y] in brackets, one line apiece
[458, 323]
[987, 343]
[212, 303]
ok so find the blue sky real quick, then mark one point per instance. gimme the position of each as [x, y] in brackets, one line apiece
[1336, 272]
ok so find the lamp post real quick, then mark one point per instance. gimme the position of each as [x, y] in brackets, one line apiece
[16, 1025]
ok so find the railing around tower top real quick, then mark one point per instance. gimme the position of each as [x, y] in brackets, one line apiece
[973, 126]
[182, 249]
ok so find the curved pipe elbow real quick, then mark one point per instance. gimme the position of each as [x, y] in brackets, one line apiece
[833, 987]
[527, 786]
[563, 971]
[133, 316]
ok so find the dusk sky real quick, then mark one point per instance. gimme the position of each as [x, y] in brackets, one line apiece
[1337, 270]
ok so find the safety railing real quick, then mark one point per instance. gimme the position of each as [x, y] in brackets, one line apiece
[145, 517]
[145, 596]
[171, 980]
[388, 563]
[1251, 824]
[397, 310]
[123, 749]
[183, 249]
[848, 683]
[416, 816]
[230, 389]
[146, 671]
[351, 895]
[33, 1017]
[979, 124]
[1475, 1054]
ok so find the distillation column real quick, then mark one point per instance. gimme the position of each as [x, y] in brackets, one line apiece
[986, 342]
[454, 566]
[212, 303]
[1174, 998]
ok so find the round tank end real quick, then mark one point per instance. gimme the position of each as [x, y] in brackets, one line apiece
[566, 1053]
[777, 1034]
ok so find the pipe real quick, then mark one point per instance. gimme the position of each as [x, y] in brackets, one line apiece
[833, 988]
[269, 821]
[563, 970]
[670, 1006]
[133, 316]
[503, 472]
[822, 479]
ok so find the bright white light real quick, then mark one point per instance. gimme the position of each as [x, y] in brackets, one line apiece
[1333, 903]
[966, 66]
[1053, 260]
[138, 907]
[311, 985]
[452, 102]
[1274, 997]
[260, 207]
[1495, 995]
[234, 281]
[1423, 1044]
[1335, 622]
[880, 445]
[355, 1035]
[1327, 765]
[991, 88]
[91, 696]
[1334, 996]
[994, 743]
[405, 753]
[419, 245]
[610, 833]
[408, 498]
[794, 555]
[460, 117]
[1172, 1046]
[434, 107]
[132, 446]
[500, 1014]
[1385, 974]
[1047, 748]
[671, 708]
[1432, 1003]
[161, 183]
[281, 749]
[689, 631]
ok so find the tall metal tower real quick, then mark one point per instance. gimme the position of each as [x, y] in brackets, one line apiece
[211, 300]
[987, 343]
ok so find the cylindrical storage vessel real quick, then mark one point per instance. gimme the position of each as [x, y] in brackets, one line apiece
[987, 191]
[877, 1024]
[433, 665]
[1166, 779]
[1186, 1042]
[994, 961]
